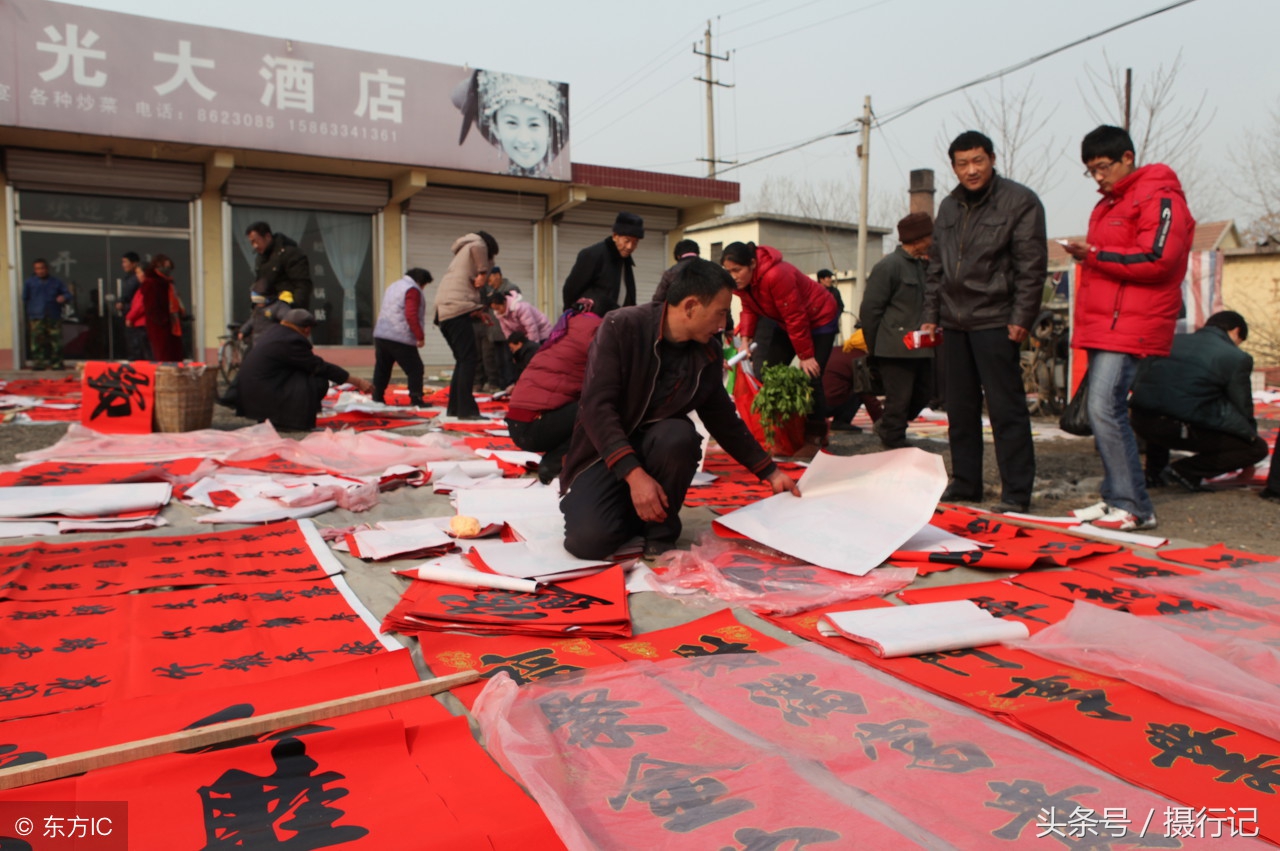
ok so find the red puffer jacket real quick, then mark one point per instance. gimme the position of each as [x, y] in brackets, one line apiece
[1131, 285]
[789, 297]
[553, 378]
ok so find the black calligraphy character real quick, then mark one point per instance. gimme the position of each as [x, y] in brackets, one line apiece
[18, 691]
[58, 568]
[60, 586]
[1141, 571]
[119, 388]
[791, 838]
[258, 572]
[233, 625]
[22, 650]
[1179, 741]
[212, 572]
[109, 563]
[1181, 605]
[12, 585]
[227, 598]
[103, 585]
[1118, 595]
[564, 601]
[340, 616]
[174, 671]
[503, 604]
[187, 604]
[61, 684]
[11, 757]
[972, 652]
[165, 576]
[243, 809]
[33, 615]
[285, 622]
[245, 663]
[1092, 702]
[280, 595]
[1234, 589]
[1010, 609]
[526, 667]
[167, 560]
[685, 795]
[712, 645]
[1028, 799]
[173, 634]
[99, 609]
[308, 569]
[300, 655]
[70, 645]
[797, 698]
[360, 648]
[317, 591]
[594, 720]
[291, 551]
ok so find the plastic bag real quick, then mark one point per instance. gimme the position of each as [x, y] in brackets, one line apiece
[1075, 419]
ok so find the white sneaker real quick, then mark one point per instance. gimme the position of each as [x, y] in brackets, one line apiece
[1123, 521]
[1093, 512]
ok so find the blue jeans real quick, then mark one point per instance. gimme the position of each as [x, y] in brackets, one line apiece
[1124, 485]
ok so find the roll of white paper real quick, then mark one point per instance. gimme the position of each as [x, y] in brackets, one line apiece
[474, 578]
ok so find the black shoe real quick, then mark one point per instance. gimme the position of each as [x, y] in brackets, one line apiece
[849, 427]
[653, 547]
[1170, 476]
[955, 493]
[1269, 496]
[1006, 507]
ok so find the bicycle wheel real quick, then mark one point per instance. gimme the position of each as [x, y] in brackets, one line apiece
[229, 361]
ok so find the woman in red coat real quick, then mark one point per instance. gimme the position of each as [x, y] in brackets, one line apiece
[157, 307]
[807, 315]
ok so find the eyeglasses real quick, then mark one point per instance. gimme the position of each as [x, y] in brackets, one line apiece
[1099, 169]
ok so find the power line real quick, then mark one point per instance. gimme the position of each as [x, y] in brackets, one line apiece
[747, 26]
[895, 114]
[814, 24]
[663, 58]
[635, 108]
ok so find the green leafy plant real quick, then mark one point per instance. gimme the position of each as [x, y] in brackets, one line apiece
[785, 392]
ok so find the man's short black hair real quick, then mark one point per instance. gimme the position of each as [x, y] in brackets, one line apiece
[39, 260]
[686, 246]
[1106, 141]
[701, 279]
[496, 299]
[825, 273]
[1229, 320]
[967, 141]
[421, 277]
[260, 228]
[131, 256]
[518, 337]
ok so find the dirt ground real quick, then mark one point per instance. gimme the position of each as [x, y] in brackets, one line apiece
[1068, 472]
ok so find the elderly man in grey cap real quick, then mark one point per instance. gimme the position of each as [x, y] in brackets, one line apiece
[890, 308]
[283, 380]
[602, 270]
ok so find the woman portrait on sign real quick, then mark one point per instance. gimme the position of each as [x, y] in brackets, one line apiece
[524, 118]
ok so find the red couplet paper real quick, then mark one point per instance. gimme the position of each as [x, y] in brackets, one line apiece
[734, 485]
[119, 398]
[714, 635]
[524, 658]
[1104, 591]
[362, 421]
[273, 553]
[1216, 556]
[1001, 599]
[1125, 565]
[74, 473]
[978, 526]
[69, 654]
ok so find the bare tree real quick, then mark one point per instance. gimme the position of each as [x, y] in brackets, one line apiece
[1166, 127]
[1015, 119]
[1259, 182]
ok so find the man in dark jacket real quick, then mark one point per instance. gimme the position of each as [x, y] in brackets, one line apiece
[634, 450]
[891, 309]
[1130, 293]
[604, 269]
[283, 380]
[983, 287]
[1199, 399]
[282, 272]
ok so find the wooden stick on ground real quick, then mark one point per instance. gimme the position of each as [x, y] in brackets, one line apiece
[201, 737]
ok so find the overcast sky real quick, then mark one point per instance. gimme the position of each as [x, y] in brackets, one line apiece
[800, 68]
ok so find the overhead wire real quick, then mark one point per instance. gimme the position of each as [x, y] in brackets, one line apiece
[663, 58]
[843, 130]
[814, 24]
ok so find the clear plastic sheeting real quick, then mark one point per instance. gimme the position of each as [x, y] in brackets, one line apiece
[802, 745]
[1252, 590]
[765, 582]
[1204, 671]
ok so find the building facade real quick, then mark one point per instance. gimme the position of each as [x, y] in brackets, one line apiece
[122, 133]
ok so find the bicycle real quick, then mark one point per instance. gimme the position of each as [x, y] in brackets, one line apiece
[230, 354]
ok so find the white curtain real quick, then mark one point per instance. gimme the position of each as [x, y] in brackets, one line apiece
[347, 241]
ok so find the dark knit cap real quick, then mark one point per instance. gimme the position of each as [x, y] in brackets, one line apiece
[629, 224]
[300, 317]
[915, 226]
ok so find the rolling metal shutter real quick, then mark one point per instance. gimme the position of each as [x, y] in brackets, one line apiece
[439, 215]
[306, 191]
[92, 174]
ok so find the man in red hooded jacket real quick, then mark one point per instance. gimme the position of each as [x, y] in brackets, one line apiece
[1133, 260]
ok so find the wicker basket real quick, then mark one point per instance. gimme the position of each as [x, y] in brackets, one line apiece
[185, 396]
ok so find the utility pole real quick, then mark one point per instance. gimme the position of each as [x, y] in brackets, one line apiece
[709, 79]
[864, 151]
[1128, 96]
